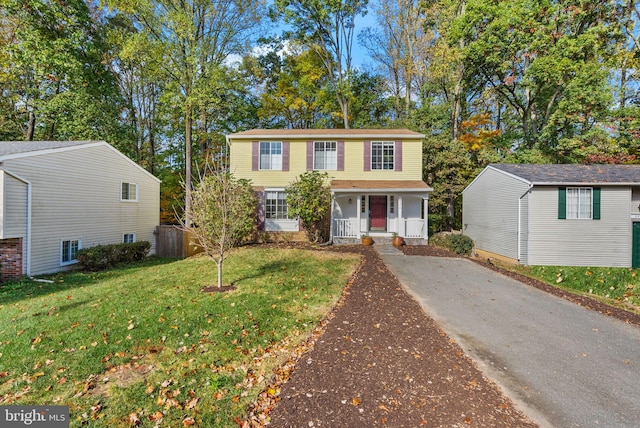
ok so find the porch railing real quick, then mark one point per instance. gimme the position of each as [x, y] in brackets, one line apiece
[414, 228]
[346, 228]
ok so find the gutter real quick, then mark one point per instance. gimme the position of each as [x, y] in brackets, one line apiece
[28, 237]
[520, 219]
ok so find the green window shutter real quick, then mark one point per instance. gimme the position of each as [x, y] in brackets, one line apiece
[562, 203]
[596, 203]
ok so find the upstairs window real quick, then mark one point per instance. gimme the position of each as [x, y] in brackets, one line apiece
[271, 155]
[325, 155]
[382, 155]
[129, 192]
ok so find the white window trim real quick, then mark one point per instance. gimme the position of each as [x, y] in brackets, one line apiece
[335, 143]
[73, 261]
[390, 144]
[129, 184]
[129, 233]
[568, 217]
[270, 154]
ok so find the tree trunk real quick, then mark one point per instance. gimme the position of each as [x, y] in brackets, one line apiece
[220, 260]
[187, 165]
[456, 110]
[32, 126]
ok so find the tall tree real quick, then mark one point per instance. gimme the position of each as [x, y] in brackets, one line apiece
[327, 27]
[543, 60]
[191, 39]
[53, 71]
[400, 45]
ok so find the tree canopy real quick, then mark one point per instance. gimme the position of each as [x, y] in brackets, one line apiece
[485, 80]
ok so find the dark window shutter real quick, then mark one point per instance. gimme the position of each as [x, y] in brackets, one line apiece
[367, 155]
[596, 203]
[340, 155]
[310, 155]
[562, 203]
[397, 154]
[285, 156]
[261, 208]
[255, 155]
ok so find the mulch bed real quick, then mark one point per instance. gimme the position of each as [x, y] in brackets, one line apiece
[579, 299]
[381, 361]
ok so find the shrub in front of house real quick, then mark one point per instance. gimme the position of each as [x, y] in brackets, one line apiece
[459, 244]
[103, 257]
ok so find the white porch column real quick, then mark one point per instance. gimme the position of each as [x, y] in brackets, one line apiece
[402, 227]
[332, 216]
[359, 214]
[425, 232]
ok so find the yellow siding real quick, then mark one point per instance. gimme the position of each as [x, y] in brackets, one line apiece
[353, 163]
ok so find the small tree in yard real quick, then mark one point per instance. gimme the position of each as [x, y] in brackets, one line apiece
[309, 198]
[223, 215]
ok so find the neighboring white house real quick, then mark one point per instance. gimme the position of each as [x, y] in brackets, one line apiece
[555, 215]
[59, 196]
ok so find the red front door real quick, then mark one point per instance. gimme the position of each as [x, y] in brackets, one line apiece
[378, 209]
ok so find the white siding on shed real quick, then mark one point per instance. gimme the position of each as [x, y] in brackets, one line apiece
[76, 194]
[604, 242]
[490, 212]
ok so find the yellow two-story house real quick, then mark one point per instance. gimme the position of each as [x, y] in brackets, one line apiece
[376, 178]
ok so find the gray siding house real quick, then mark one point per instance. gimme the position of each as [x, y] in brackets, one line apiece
[59, 196]
[555, 215]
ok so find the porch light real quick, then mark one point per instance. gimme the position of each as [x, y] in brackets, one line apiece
[638, 207]
[351, 202]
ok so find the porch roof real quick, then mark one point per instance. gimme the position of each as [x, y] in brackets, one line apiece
[353, 186]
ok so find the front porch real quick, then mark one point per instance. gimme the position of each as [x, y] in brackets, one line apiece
[380, 209]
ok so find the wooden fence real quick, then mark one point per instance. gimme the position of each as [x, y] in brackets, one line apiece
[173, 242]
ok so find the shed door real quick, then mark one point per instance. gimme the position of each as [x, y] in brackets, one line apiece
[378, 207]
[635, 252]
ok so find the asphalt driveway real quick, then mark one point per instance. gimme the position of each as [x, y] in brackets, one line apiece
[565, 366]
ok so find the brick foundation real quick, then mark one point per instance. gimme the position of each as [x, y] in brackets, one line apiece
[10, 259]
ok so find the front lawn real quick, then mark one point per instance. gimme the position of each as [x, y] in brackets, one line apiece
[143, 346]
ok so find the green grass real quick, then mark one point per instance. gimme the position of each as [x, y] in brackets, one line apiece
[615, 286]
[144, 342]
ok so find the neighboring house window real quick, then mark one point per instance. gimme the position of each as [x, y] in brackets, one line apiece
[382, 155]
[69, 251]
[271, 155]
[579, 203]
[325, 155]
[276, 205]
[129, 238]
[129, 192]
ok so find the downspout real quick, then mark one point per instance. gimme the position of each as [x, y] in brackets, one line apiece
[520, 220]
[28, 237]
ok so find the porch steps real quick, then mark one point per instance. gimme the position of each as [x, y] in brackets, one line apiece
[387, 250]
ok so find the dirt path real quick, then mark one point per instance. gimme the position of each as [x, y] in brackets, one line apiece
[381, 361]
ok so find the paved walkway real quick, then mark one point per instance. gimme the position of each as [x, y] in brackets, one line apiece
[565, 365]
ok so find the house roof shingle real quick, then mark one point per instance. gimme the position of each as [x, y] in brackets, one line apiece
[8, 148]
[334, 133]
[573, 173]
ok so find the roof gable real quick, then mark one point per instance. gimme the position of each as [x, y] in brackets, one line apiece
[21, 149]
[572, 173]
